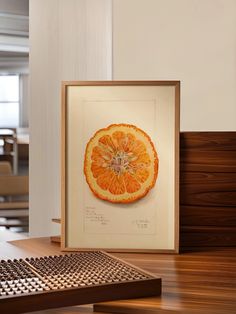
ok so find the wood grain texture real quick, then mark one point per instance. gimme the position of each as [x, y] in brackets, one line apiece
[206, 238]
[207, 161]
[208, 141]
[199, 189]
[208, 216]
[208, 189]
[193, 282]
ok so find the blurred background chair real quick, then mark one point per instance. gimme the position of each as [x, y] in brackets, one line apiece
[14, 200]
[8, 147]
[5, 168]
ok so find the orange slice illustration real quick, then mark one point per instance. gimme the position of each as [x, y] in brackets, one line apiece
[120, 164]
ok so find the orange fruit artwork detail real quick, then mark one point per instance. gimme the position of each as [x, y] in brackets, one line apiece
[120, 164]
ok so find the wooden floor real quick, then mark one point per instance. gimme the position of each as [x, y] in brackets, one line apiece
[197, 282]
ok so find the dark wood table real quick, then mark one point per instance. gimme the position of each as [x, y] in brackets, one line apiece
[196, 282]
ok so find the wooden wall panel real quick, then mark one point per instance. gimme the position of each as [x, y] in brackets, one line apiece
[208, 141]
[207, 189]
[208, 216]
[207, 161]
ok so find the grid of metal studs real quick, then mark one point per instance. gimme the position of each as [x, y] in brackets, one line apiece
[83, 269]
[63, 271]
[17, 278]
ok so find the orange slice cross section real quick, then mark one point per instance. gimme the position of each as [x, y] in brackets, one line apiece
[120, 164]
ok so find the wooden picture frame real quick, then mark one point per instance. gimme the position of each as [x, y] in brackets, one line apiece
[149, 224]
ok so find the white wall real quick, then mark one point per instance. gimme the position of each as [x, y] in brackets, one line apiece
[69, 40]
[188, 40]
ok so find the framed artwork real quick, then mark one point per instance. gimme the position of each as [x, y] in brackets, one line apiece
[120, 166]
